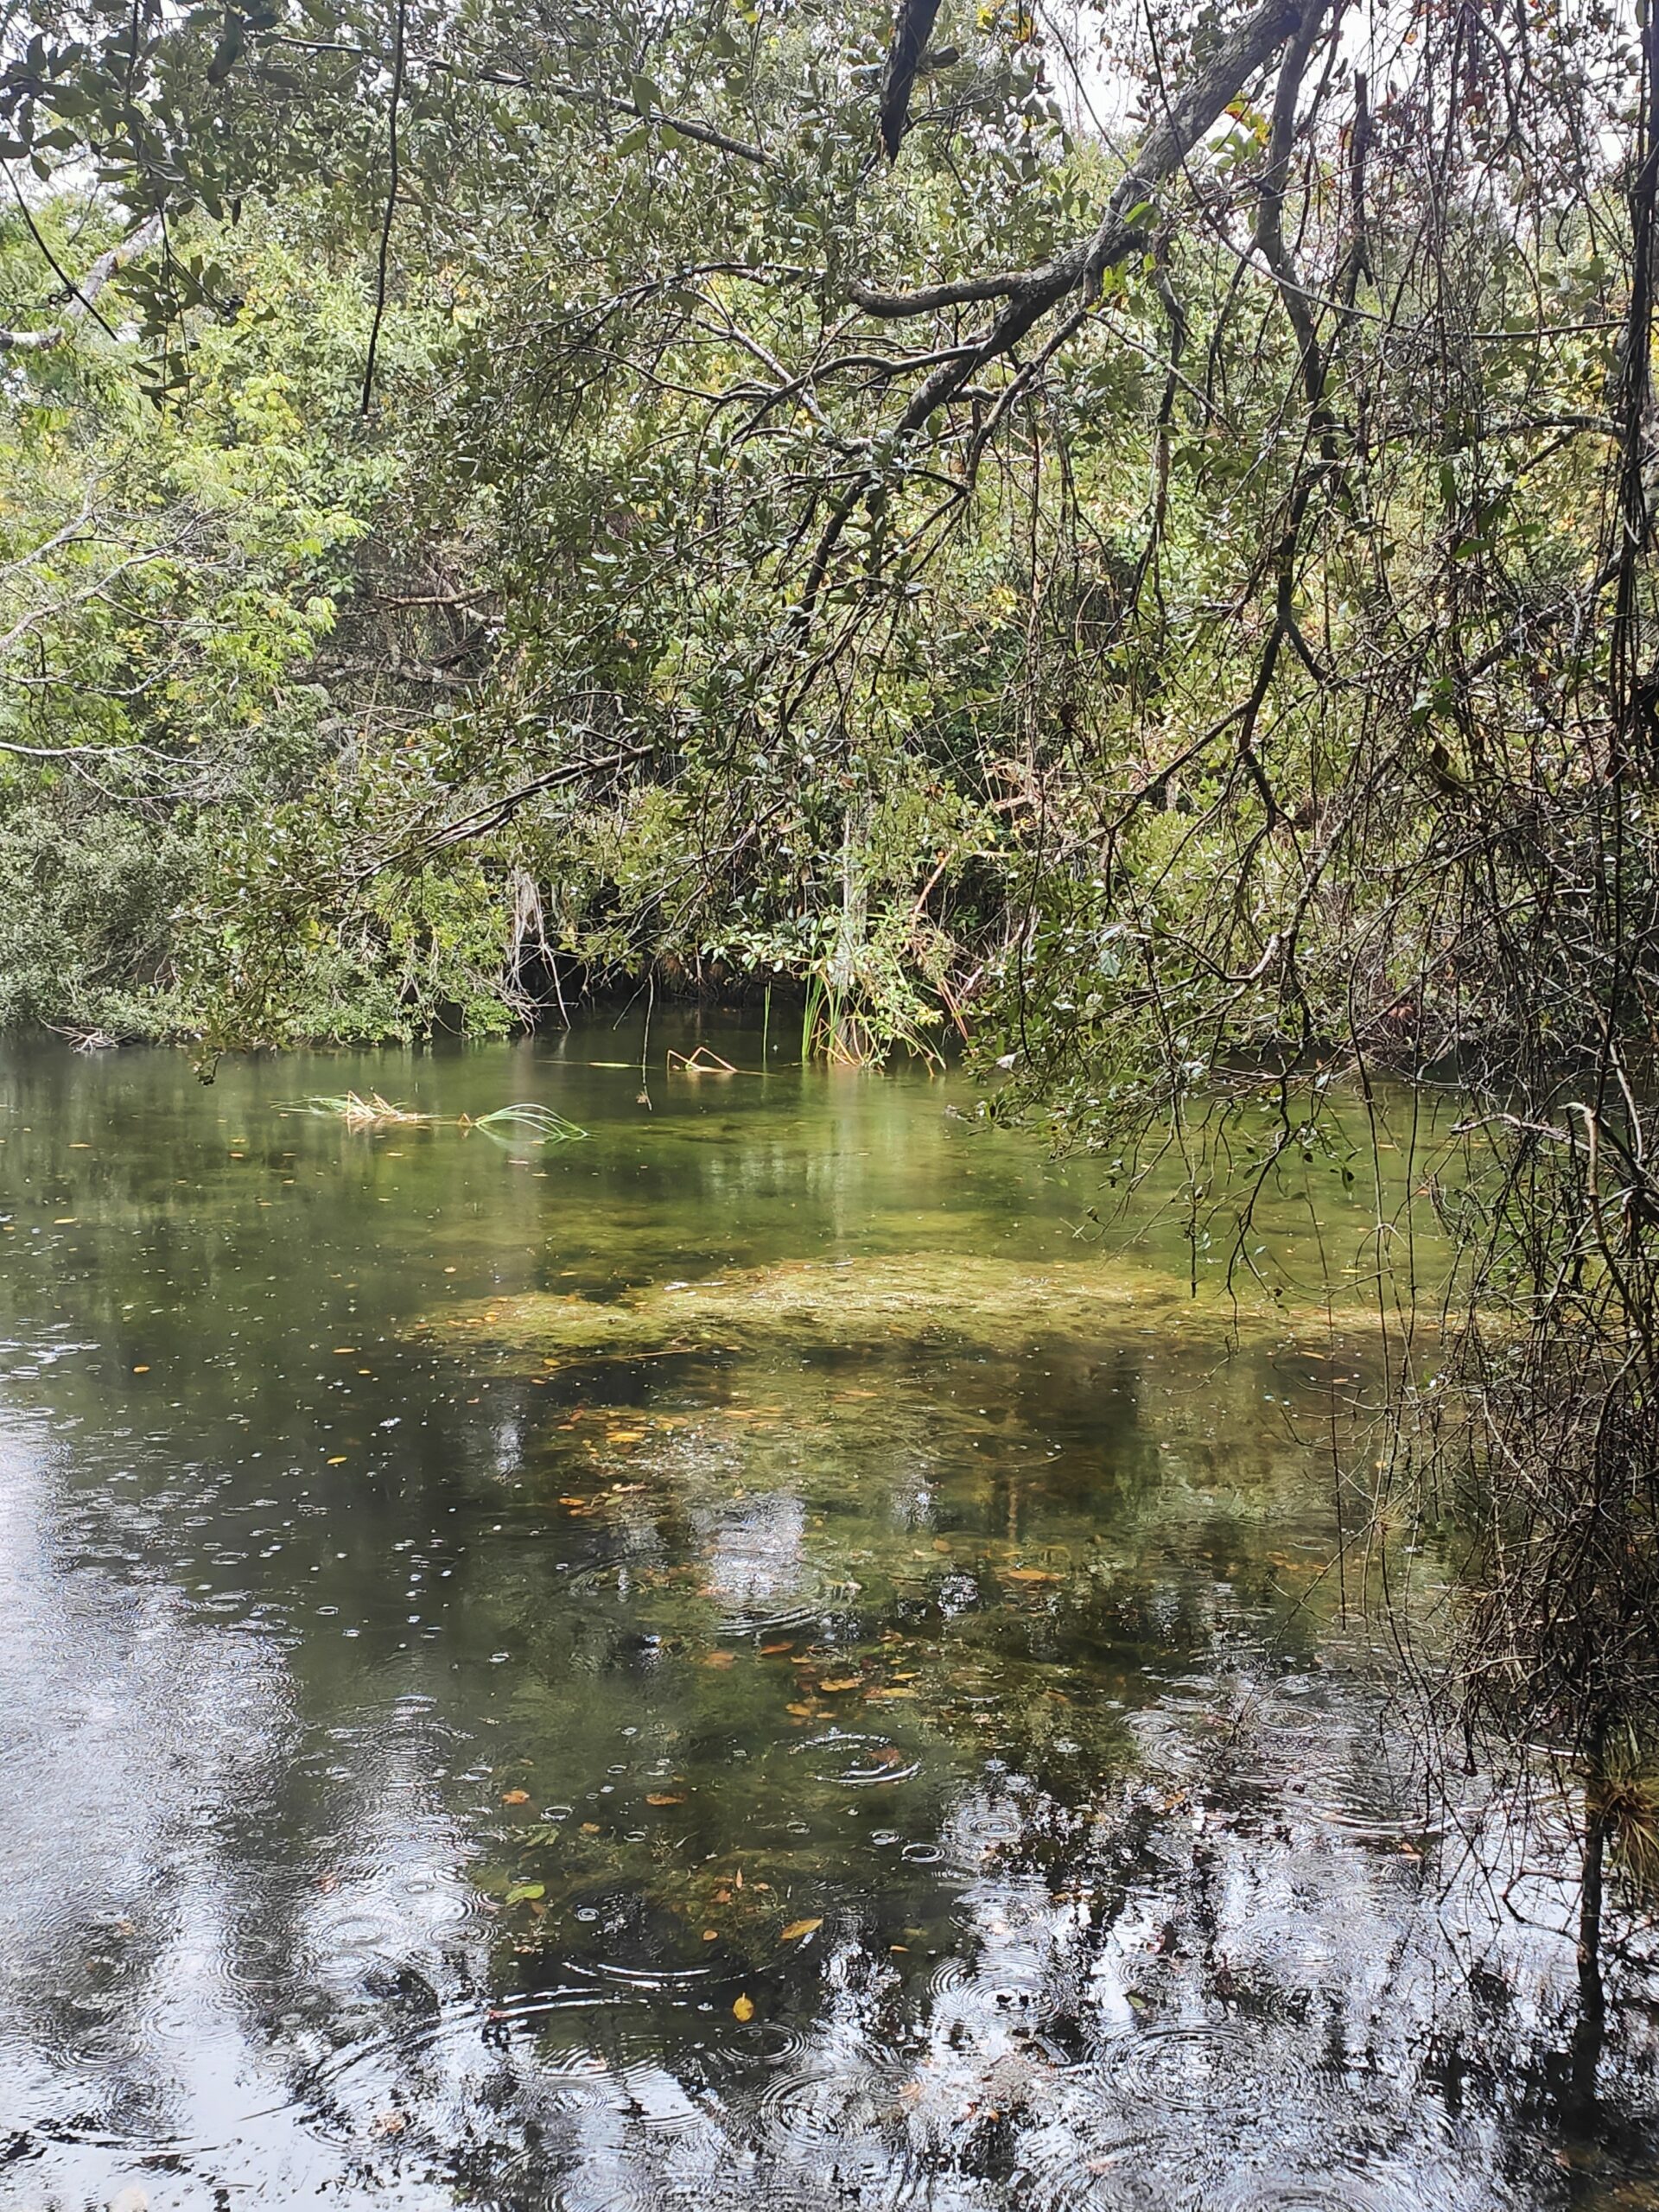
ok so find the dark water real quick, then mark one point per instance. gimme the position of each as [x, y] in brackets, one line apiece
[880, 1724]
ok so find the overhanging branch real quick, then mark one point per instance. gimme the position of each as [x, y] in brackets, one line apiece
[84, 303]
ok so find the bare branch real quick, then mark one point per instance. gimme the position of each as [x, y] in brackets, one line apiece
[85, 294]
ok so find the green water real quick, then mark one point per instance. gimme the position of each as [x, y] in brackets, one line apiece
[774, 1655]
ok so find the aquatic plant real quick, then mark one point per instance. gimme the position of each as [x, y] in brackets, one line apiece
[531, 1124]
[873, 1299]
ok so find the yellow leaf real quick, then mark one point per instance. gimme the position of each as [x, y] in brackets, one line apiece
[719, 1659]
[516, 1797]
[590, 1828]
[843, 1683]
[1031, 1574]
[797, 1928]
[665, 1798]
[744, 2008]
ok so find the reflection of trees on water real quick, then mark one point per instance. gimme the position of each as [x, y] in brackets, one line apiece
[1202, 1967]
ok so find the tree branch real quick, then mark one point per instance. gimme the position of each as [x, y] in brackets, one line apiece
[1030, 294]
[85, 294]
[910, 35]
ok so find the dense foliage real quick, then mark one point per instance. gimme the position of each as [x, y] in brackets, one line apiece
[505, 544]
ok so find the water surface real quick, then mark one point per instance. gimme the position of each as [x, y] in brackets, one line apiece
[487, 1719]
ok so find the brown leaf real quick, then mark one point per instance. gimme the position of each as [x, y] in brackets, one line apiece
[665, 1798]
[515, 1797]
[797, 1928]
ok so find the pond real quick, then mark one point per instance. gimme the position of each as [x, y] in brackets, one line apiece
[776, 1654]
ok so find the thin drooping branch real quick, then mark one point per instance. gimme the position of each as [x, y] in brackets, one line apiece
[84, 302]
[1270, 219]
[498, 812]
[392, 209]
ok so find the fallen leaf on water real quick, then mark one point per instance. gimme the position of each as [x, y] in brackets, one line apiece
[388, 2123]
[141, 1370]
[719, 1658]
[515, 1797]
[590, 1828]
[664, 1797]
[801, 1712]
[744, 2008]
[338, 1462]
[624, 1435]
[1031, 1574]
[799, 1928]
[873, 1694]
[711, 1935]
[774, 1650]
[843, 1683]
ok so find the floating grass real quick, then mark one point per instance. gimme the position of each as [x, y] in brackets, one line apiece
[360, 1112]
[527, 1124]
[536, 1124]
